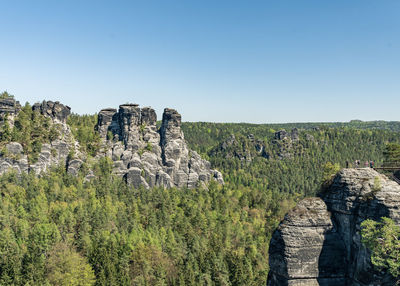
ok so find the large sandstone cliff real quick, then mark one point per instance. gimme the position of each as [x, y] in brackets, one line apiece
[319, 242]
[143, 154]
[51, 153]
[149, 156]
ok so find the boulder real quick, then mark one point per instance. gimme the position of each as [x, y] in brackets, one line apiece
[74, 166]
[14, 148]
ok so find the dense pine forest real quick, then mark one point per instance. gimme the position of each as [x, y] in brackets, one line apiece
[58, 229]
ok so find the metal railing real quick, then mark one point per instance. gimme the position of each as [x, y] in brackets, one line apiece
[396, 179]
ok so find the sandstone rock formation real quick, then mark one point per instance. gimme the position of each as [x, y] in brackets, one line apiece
[319, 243]
[9, 107]
[281, 135]
[147, 156]
[54, 110]
[143, 154]
[52, 153]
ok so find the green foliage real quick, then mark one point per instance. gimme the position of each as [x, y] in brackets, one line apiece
[142, 128]
[330, 170]
[392, 154]
[110, 135]
[83, 129]
[382, 239]
[65, 267]
[59, 229]
[56, 228]
[301, 173]
[149, 147]
[5, 95]
[377, 184]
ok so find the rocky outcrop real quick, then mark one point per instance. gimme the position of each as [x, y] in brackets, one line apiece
[319, 243]
[287, 145]
[281, 135]
[294, 134]
[54, 110]
[57, 152]
[246, 149]
[147, 156]
[13, 158]
[143, 154]
[9, 108]
[52, 153]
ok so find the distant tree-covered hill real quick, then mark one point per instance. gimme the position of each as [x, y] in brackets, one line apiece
[257, 158]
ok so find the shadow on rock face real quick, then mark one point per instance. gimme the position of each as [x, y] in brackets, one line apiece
[332, 264]
[319, 241]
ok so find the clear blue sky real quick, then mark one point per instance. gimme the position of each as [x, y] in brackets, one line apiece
[224, 61]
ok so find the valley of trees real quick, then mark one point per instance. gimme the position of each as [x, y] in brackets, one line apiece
[302, 172]
[62, 230]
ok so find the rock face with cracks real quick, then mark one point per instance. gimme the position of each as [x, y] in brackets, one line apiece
[51, 153]
[142, 153]
[319, 241]
[147, 156]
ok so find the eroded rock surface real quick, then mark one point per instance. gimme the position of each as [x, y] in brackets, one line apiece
[143, 154]
[9, 108]
[319, 242]
[147, 156]
[54, 110]
[52, 153]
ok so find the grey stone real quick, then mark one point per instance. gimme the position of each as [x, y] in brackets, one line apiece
[133, 177]
[14, 148]
[319, 242]
[281, 135]
[54, 110]
[148, 116]
[162, 156]
[118, 150]
[9, 106]
[294, 134]
[74, 166]
[105, 119]
[4, 166]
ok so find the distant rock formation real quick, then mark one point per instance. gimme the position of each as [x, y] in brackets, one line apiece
[284, 142]
[319, 242]
[142, 153]
[9, 107]
[54, 110]
[52, 153]
[281, 135]
[147, 156]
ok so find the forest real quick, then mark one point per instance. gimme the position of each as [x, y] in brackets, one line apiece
[59, 229]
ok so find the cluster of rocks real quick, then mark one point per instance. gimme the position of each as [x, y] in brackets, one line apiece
[142, 153]
[55, 110]
[9, 107]
[319, 242]
[283, 135]
[243, 149]
[147, 156]
[259, 145]
[284, 142]
[52, 153]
